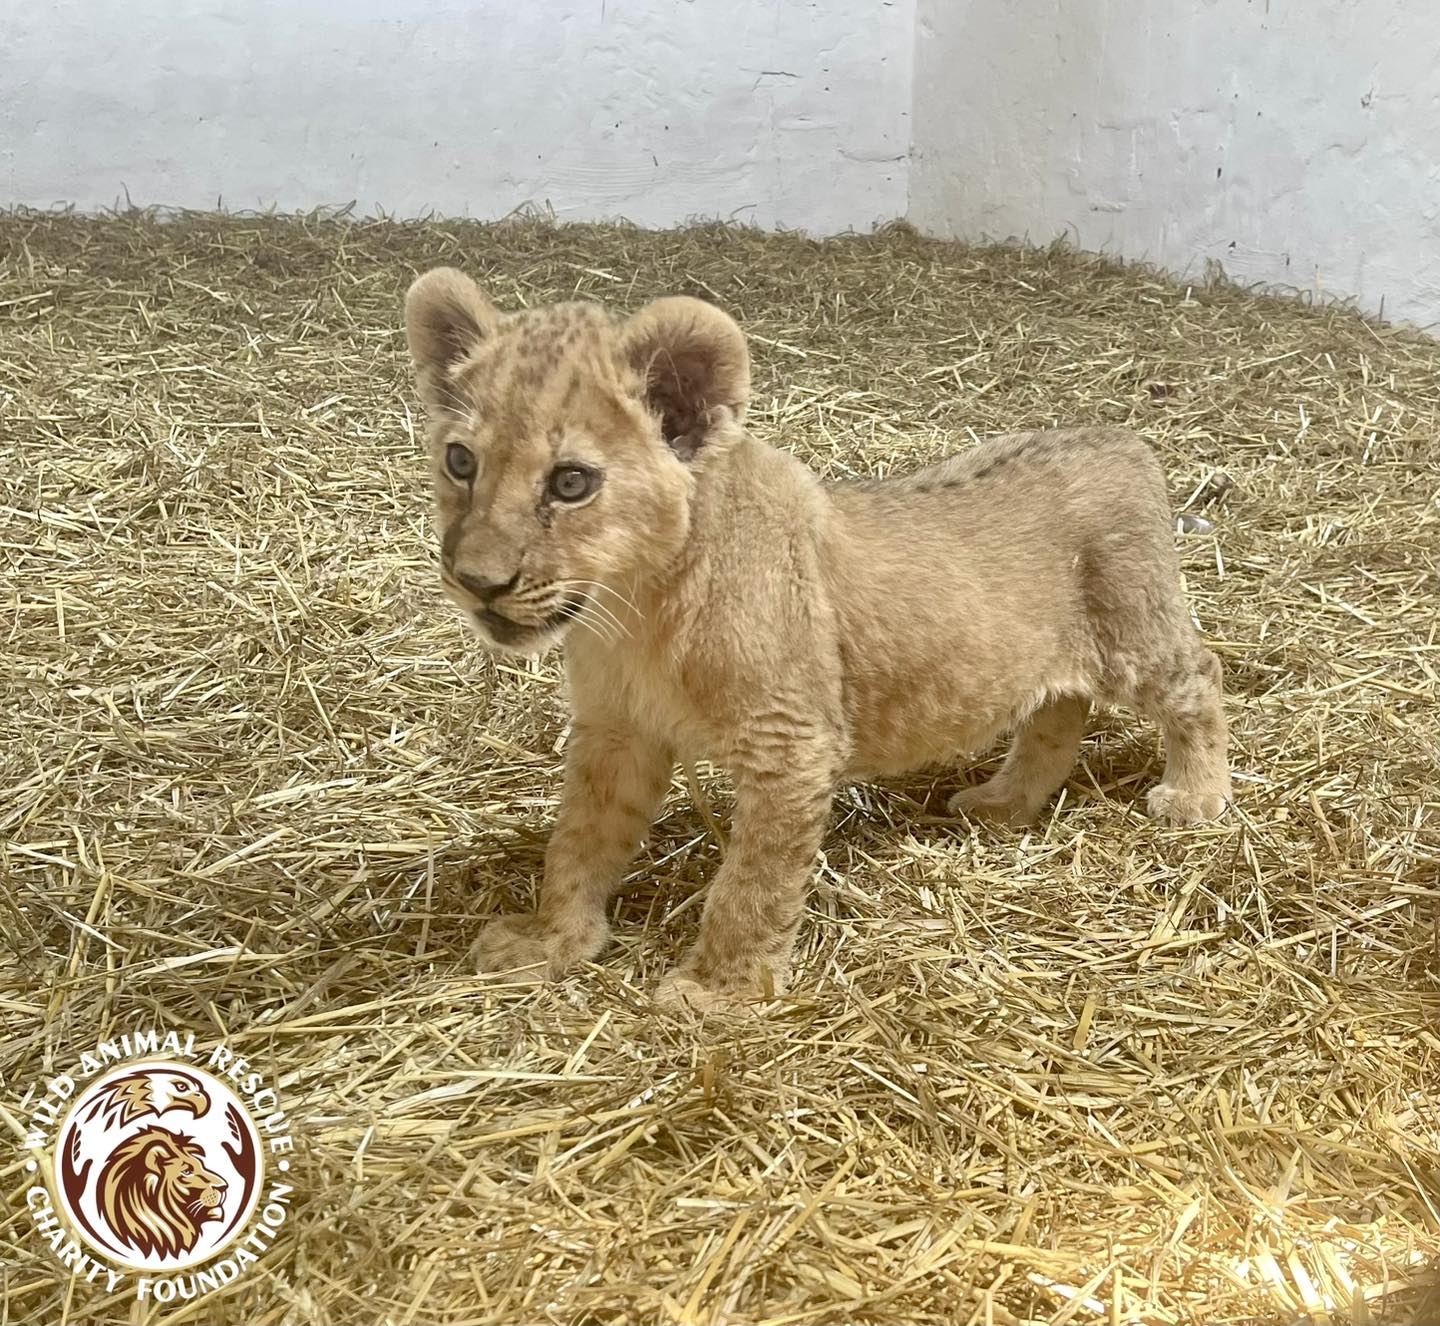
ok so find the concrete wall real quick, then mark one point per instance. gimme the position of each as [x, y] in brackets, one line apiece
[780, 112]
[1294, 141]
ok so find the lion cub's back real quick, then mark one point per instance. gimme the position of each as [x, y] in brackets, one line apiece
[1044, 492]
[1093, 459]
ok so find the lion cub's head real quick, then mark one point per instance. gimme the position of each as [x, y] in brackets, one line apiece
[562, 441]
[156, 1192]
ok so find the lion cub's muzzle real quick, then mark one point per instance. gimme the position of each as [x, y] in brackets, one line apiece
[518, 627]
[517, 634]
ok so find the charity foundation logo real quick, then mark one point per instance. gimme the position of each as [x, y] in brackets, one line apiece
[166, 1168]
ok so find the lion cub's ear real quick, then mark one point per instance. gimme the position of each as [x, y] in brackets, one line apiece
[446, 317]
[691, 357]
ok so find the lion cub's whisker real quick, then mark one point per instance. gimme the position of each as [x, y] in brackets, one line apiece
[592, 604]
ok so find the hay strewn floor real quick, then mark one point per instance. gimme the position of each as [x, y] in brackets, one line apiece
[256, 780]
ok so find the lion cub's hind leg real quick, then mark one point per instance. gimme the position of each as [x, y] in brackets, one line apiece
[1151, 658]
[1184, 697]
[1042, 753]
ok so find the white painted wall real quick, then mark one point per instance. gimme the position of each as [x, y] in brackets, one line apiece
[780, 112]
[1294, 141]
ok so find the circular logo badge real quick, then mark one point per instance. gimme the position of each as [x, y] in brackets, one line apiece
[158, 1165]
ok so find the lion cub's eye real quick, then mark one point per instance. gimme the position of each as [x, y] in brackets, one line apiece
[460, 461]
[573, 483]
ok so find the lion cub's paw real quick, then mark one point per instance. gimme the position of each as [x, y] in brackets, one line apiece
[512, 944]
[992, 806]
[533, 951]
[1181, 806]
[680, 991]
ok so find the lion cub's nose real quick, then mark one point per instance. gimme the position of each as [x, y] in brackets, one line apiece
[487, 591]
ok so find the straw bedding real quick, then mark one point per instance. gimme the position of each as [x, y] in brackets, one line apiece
[256, 782]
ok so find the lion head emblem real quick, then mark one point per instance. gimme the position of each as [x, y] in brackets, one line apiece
[156, 1192]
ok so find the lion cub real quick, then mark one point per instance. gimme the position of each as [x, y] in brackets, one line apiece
[594, 482]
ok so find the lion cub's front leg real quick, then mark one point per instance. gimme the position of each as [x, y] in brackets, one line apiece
[614, 783]
[756, 900]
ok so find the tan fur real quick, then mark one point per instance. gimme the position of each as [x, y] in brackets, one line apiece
[730, 606]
